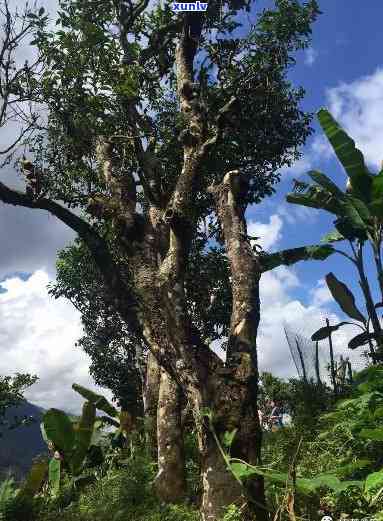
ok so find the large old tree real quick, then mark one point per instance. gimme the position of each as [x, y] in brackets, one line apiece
[160, 130]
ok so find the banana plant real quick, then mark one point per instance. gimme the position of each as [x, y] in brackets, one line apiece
[122, 420]
[70, 442]
[358, 212]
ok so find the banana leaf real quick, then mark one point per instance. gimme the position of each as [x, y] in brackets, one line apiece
[316, 197]
[344, 298]
[324, 332]
[326, 183]
[350, 157]
[55, 475]
[98, 400]
[83, 437]
[59, 429]
[360, 340]
[333, 236]
[376, 205]
[293, 255]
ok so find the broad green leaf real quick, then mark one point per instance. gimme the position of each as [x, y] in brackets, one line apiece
[373, 481]
[350, 157]
[228, 438]
[59, 429]
[242, 471]
[324, 332]
[360, 207]
[326, 183]
[333, 236]
[55, 475]
[360, 340]
[376, 205]
[372, 434]
[353, 219]
[83, 437]
[98, 400]
[277, 477]
[293, 255]
[326, 481]
[316, 197]
[344, 297]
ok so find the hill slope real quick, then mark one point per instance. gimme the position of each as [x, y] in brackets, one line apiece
[18, 447]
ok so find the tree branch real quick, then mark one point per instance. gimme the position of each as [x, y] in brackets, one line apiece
[125, 302]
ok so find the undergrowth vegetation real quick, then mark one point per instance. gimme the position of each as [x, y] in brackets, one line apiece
[327, 462]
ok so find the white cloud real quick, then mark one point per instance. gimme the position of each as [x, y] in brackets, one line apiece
[317, 151]
[358, 106]
[37, 335]
[292, 213]
[269, 233]
[278, 308]
[311, 56]
[321, 294]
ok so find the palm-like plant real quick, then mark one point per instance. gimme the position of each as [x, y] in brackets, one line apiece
[358, 220]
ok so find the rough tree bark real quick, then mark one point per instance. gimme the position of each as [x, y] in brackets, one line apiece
[151, 393]
[152, 300]
[170, 482]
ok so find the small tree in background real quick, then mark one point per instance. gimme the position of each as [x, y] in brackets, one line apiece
[12, 390]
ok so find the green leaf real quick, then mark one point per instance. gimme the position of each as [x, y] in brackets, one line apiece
[373, 481]
[293, 255]
[83, 437]
[333, 236]
[344, 297]
[324, 332]
[98, 400]
[55, 475]
[372, 434]
[326, 183]
[59, 430]
[350, 157]
[242, 471]
[360, 340]
[376, 205]
[353, 219]
[325, 481]
[228, 438]
[316, 197]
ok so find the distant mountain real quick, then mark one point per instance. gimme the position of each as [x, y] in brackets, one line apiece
[19, 446]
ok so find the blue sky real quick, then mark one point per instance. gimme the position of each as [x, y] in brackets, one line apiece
[343, 70]
[345, 50]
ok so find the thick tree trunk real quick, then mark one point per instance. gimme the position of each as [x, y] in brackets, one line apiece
[170, 482]
[151, 394]
[220, 489]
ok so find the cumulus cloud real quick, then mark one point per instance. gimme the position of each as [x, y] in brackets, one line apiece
[269, 233]
[37, 335]
[358, 106]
